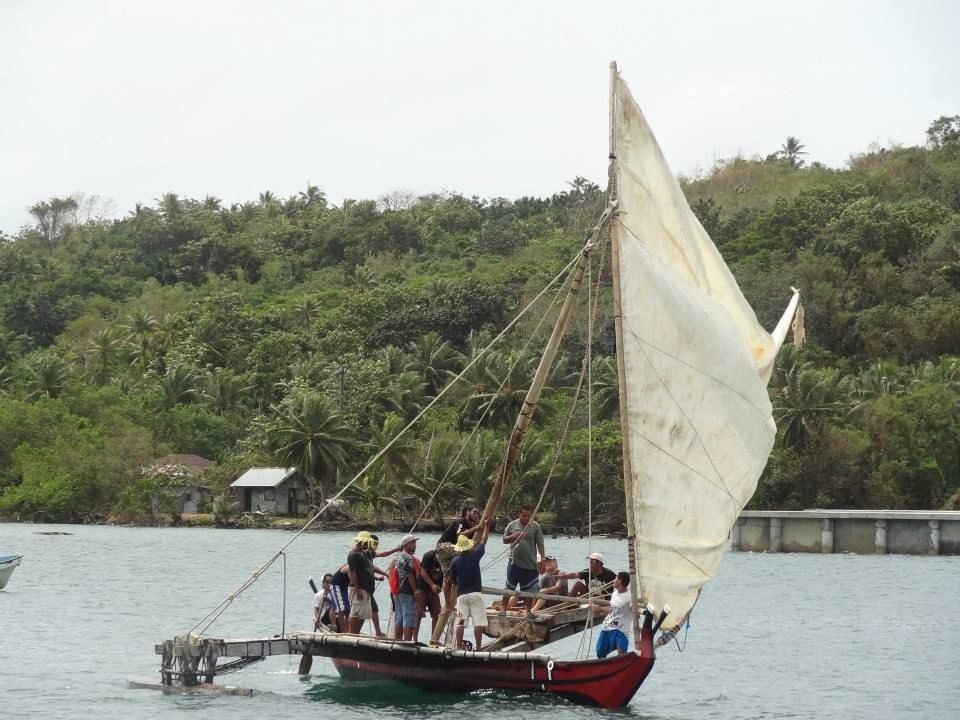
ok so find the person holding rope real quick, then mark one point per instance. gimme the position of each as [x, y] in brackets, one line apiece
[525, 538]
[465, 571]
[596, 579]
[616, 618]
[467, 525]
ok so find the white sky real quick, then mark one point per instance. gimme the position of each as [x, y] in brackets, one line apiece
[129, 100]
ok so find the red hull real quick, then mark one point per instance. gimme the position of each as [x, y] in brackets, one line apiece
[608, 683]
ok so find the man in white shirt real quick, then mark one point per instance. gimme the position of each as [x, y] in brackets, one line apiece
[616, 620]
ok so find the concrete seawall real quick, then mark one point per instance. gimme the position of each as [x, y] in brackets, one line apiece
[866, 532]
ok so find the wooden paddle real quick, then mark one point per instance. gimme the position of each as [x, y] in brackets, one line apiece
[306, 660]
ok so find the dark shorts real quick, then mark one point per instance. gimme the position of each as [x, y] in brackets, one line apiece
[341, 602]
[428, 601]
[526, 580]
[609, 641]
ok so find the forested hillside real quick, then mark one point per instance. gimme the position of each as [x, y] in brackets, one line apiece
[289, 331]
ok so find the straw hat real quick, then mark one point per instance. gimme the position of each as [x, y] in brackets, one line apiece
[463, 544]
[362, 537]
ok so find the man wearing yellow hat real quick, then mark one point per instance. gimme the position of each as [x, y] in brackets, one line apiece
[362, 582]
[465, 572]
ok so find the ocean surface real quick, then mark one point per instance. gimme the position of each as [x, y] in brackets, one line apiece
[774, 636]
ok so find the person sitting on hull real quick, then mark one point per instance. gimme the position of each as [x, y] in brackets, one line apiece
[465, 572]
[596, 579]
[324, 612]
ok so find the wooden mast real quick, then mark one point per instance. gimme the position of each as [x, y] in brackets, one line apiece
[525, 417]
[621, 371]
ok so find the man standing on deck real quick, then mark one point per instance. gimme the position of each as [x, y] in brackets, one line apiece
[466, 525]
[525, 539]
[408, 591]
[465, 570]
[431, 582]
[616, 618]
[360, 568]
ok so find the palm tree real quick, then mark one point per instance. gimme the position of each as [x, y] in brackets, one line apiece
[171, 207]
[179, 386]
[309, 435]
[98, 354]
[305, 311]
[223, 391]
[809, 396]
[435, 359]
[362, 278]
[791, 151]
[212, 203]
[606, 388]
[406, 395]
[442, 482]
[313, 196]
[46, 376]
[374, 490]
[395, 461]
[141, 327]
[393, 359]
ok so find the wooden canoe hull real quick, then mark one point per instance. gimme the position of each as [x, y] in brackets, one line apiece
[610, 683]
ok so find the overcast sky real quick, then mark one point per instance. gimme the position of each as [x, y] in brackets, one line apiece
[129, 100]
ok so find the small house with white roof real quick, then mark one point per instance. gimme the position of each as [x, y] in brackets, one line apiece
[278, 491]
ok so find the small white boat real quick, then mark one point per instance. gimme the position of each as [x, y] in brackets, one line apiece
[8, 563]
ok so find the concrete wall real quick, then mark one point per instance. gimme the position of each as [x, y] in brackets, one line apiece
[863, 532]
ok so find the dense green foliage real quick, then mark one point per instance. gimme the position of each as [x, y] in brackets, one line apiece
[289, 331]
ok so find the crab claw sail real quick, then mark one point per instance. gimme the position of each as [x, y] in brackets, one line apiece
[696, 364]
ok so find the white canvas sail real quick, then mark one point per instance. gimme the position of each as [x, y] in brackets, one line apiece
[696, 365]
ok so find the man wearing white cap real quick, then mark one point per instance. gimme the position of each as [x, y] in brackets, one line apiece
[598, 578]
[407, 570]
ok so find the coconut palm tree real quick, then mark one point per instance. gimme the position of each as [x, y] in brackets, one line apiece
[809, 395]
[179, 386]
[395, 461]
[141, 327]
[45, 376]
[98, 353]
[223, 391]
[435, 360]
[791, 151]
[309, 435]
[374, 490]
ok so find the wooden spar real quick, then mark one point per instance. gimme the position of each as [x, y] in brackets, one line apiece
[543, 369]
[621, 370]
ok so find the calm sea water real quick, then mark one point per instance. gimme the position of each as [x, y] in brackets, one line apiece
[774, 636]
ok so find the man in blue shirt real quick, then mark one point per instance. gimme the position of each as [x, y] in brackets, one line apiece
[465, 572]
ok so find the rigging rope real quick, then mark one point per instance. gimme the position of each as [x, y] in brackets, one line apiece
[204, 623]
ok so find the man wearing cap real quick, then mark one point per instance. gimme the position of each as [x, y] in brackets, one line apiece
[360, 568]
[525, 539]
[408, 590]
[598, 578]
[465, 572]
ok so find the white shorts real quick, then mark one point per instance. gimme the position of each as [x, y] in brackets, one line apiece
[471, 606]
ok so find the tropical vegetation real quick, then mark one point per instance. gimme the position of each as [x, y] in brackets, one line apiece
[292, 331]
